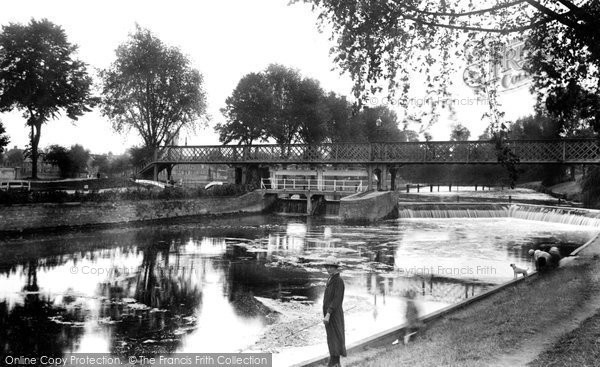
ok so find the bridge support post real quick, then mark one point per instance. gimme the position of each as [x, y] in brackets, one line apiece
[308, 203]
[393, 174]
[320, 179]
[384, 176]
[170, 173]
[155, 172]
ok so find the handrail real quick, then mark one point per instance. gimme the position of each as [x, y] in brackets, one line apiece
[20, 184]
[312, 185]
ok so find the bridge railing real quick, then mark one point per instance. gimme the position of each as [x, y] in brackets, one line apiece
[15, 184]
[312, 185]
[528, 151]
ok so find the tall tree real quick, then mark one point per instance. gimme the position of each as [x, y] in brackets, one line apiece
[246, 111]
[153, 89]
[380, 125]
[283, 125]
[341, 126]
[40, 76]
[310, 111]
[277, 104]
[382, 43]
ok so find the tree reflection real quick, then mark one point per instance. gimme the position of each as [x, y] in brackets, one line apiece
[30, 328]
[153, 307]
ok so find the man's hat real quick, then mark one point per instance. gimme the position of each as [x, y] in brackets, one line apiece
[331, 261]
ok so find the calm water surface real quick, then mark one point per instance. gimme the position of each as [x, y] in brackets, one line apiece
[202, 286]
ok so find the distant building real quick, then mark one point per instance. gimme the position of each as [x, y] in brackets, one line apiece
[198, 175]
[45, 170]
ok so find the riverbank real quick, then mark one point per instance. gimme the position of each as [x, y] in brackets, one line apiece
[34, 217]
[518, 326]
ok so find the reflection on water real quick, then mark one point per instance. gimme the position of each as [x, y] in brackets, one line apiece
[251, 283]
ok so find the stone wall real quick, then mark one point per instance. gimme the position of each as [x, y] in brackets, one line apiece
[39, 216]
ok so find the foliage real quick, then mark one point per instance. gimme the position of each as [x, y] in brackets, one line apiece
[392, 41]
[455, 174]
[310, 112]
[57, 195]
[140, 155]
[459, 133]
[277, 104]
[590, 188]
[247, 111]
[3, 138]
[70, 162]
[153, 89]
[39, 76]
[112, 166]
[534, 128]
[282, 124]
[380, 124]
[387, 40]
[14, 157]
[565, 63]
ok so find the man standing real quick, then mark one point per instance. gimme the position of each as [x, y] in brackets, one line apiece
[333, 313]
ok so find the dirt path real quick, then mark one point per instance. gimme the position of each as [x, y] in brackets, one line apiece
[542, 340]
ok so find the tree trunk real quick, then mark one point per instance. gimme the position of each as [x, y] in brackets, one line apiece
[36, 130]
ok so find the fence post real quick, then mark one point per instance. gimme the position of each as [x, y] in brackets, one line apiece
[407, 188]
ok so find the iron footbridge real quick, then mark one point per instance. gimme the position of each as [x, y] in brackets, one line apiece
[564, 151]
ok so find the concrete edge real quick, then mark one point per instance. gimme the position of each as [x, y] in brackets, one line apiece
[381, 337]
[585, 245]
[366, 195]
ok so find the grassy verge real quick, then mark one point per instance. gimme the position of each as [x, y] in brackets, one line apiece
[581, 347]
[493, 327]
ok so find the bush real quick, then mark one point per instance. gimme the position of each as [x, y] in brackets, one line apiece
[590, 188]
[170, 193]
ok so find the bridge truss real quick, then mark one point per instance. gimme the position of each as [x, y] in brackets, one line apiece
[566, 151]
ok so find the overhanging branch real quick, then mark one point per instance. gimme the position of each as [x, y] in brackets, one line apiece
[463, 14]
[479, 29]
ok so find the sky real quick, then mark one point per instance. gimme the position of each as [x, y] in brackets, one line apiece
[225, 40]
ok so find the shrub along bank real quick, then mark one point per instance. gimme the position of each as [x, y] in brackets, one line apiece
[131, 193]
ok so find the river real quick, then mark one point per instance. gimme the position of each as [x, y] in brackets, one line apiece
[249, 283]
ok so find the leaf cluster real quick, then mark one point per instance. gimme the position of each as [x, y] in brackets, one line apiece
[278, 104]
[39, 75]
[153, 89]
[70, 161]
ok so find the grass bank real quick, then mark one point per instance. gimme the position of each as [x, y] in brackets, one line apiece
[497, 326]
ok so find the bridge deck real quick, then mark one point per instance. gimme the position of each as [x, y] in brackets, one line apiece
[570, 151]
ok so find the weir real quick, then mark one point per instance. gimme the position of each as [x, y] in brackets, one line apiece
[572, 216]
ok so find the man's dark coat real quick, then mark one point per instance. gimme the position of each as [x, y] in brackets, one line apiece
[332, 304]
